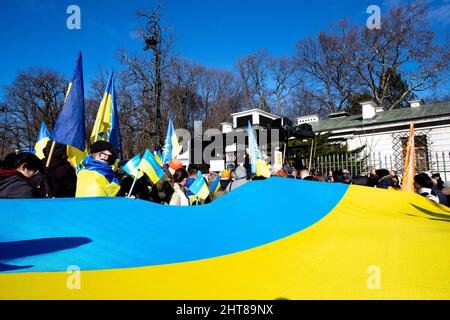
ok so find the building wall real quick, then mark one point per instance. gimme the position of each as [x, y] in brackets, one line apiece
[381, 146]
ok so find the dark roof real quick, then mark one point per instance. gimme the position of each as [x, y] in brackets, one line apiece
[389, 116]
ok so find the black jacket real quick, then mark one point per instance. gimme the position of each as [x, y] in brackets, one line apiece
[61, 178]
[13, 185]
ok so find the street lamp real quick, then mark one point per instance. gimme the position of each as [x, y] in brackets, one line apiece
[153, 42]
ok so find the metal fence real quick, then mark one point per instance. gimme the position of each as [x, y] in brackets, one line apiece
[361, 164]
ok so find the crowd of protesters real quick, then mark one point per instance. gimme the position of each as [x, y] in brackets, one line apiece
[429, 185]
[24, 175]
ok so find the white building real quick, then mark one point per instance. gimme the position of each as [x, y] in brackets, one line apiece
[384, 134]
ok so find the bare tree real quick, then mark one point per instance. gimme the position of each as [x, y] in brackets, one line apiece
[333, 80]
[254, 72]
[404, 45]
[285, 75]
[35, 96]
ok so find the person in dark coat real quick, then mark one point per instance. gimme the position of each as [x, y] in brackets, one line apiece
[61, 176]
[16, 174]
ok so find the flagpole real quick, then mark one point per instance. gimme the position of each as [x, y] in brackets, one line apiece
[50, 155]
[134, 182]
[310, 155]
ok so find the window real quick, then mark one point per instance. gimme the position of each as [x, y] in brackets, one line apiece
[421, 151]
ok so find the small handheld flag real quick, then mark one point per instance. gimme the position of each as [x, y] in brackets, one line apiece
[158, 157]
[199, 187]
[150, 167]
[132, 167]
[215, 185]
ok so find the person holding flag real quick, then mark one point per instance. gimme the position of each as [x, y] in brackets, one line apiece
[199, 188]
[106, 126]
[41, 142]
[96, 177]
[69, 128]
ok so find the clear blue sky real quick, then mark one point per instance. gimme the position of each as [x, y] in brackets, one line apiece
[212, 32]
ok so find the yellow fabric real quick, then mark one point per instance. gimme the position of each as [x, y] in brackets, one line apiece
[75, 156]
[403, 234]
[148, 169]
[102, 123]
[93, 184]
[39, 147]
[262, 169]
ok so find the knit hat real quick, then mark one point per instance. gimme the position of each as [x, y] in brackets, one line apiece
[99, 146]
[102, 146]
[175, 164]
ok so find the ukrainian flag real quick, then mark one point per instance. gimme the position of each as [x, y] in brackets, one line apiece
[96, 179]
[199, 188]
[409, 170]
[106, 126]
[150, 167]
[258, 165]
[41, 142]
[132, 167]
[158, 157]
[215, 185]
[69, 128]
[171, 147]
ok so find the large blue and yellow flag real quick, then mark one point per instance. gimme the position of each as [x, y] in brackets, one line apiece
[150, 167]
[171, 147]
[258, 165]
[199, 187]
[132, 167]
[96, 179]
[69, 128]
[106, 126]
[41, 142]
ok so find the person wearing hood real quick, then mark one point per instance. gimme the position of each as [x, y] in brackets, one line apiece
[16, 174]
[96, 177]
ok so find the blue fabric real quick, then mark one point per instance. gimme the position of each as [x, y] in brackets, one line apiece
[106, 233]
[189, 182]
[104, 169]
[69, 128]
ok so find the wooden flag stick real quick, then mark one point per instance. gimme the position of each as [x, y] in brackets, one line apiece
[50, 155]
[310, 155]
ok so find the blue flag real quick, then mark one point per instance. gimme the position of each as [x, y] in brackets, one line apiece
[69, 128]
[171, 147]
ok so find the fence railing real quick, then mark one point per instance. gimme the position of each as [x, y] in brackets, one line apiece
[437, 162]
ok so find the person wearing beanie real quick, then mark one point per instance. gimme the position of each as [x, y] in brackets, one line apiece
[174, 165]
[96, 177]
